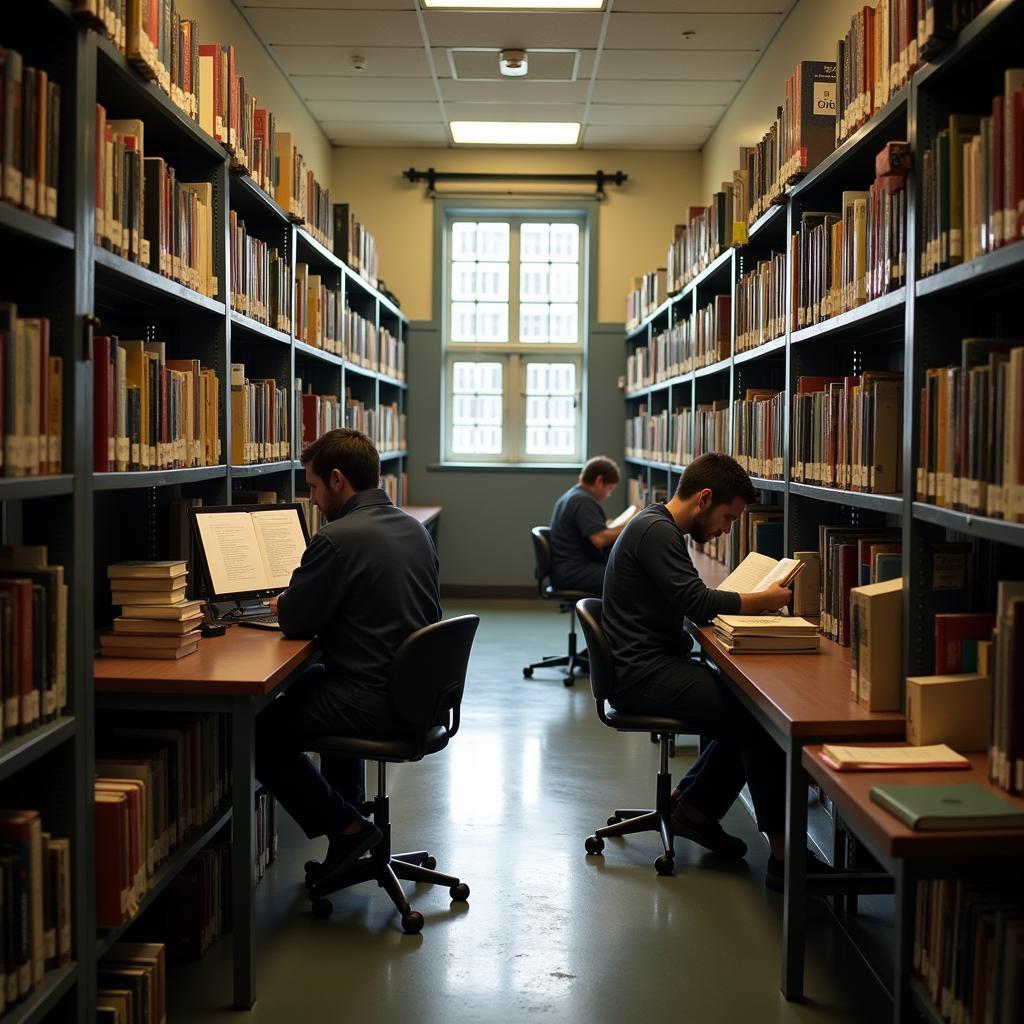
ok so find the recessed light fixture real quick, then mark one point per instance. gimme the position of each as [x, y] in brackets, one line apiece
[518, 5]
[513, 63]
[516, 133]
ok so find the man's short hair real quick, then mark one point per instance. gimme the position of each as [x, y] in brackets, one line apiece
[350, 452]
[723, 475]
[600, 465]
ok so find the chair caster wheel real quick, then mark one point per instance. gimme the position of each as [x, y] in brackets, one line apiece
[322, 908]
[412, 922]
[568, 680]
[664, 865]
[594, 845]
[430, 863]
[614, 820]
[527, 672]
[459, 892]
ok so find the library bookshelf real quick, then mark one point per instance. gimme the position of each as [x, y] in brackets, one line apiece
[87, 519]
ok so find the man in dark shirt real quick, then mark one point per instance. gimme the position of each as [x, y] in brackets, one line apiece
[366, 582]
[580, 535]
[650, 587]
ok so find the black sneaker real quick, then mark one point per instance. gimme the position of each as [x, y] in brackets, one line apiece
[343, 851]
[775, 871]
[708, 834]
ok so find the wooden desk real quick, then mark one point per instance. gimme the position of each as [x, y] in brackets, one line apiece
[236, 674]
[428, 515]
[800, 699]
[911, 856]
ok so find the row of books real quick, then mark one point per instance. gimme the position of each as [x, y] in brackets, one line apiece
[761, 303]
[647, 435]
[161, 776]
[711, 427]
[696, 244]
[316, 414]
[33, 639]
[354, 244]
[972, 422]
[385, 424]
[320, 315]
[848, 432]
[1001, 657]
[132, 984]
[972, 181]
[758, 434]
[260, 278]
[145, 214]
[259, 419]
[35, 884]
[649, 292]
[389, 483]
[151, 412]
[969, 947]
[32, 396]
[29, 136]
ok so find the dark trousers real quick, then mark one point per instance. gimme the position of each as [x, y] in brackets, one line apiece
[322, 803]
[737, 751]
[589, 578]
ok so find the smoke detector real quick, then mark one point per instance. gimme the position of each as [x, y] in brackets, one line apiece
[513, 63]
[357, 62]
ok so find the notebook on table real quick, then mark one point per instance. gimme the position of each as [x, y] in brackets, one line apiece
[929, 808]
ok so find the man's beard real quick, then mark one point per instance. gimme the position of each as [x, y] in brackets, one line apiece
[701, 530]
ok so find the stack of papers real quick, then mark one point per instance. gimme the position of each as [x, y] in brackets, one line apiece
[937, 755]
[766, 634]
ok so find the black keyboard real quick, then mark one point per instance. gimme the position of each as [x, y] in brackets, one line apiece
[267, 621]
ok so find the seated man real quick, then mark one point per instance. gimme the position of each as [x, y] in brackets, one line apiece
[650, 586]
[580, 536]
[366, 582]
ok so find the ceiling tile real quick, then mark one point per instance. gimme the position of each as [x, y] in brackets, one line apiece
[359, 87]
[365, 6]
[351, 28]
[440, 54]
[368, 110]
[713, 31]
[390, 62]
[676, 6]
[664, 92]
[543, 65]
[456, 28]
[647, 136]
[640, 114]
[348, 133]
[513, 90]
[514, 111]
[673, 64]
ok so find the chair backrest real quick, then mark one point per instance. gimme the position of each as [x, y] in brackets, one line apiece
[428, 675]
[541, 556]
[602, 667]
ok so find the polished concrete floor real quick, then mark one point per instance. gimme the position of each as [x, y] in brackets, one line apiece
[548, 933]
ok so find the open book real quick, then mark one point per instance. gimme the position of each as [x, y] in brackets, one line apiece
[622, 518]
[250, 551]
[758, 572]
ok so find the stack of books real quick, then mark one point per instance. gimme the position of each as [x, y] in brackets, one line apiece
[156, 620]
[764, 634]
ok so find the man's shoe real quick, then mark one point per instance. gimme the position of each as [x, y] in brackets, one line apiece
[708, 834]
[343, 851]
[775, 872]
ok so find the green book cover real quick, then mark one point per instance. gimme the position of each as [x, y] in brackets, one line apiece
[967, 805]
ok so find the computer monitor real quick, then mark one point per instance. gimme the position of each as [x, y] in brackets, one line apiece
[248, 552]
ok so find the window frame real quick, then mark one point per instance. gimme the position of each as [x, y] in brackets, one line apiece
[514, 355]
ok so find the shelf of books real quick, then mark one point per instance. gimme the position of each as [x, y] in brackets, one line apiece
[189, 318]
[873, 369]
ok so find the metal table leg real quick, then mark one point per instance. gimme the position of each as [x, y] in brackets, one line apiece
[243, 851]
[794, 906]
[903, 1011]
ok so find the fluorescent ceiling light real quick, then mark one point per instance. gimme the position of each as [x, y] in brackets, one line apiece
[517, 133]
[519, 5]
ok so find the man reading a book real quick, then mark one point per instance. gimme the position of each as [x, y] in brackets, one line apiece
[366, 582]
[580, 535]
[650, 587]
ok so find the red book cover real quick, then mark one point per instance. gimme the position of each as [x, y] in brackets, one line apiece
[20, 592]
[102, 399]
[723, 325]
[309, 418]
[847, 581]
[112, 871]
[956, 636]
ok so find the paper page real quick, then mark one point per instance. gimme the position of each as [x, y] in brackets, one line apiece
[908, 756]
[622, 518]
[784, 572]
[767, 621]
[232, 552]
[282, 543]
[748, 574]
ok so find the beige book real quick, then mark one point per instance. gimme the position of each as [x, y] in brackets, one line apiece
[622, 518]
[807, 584]
[167, 569]
[876, 651]
[154, 627]
[765, 625]
[149, 597]
[854, 758]
[951, 709]
[181, 610]
[758, 572]
[154, 654]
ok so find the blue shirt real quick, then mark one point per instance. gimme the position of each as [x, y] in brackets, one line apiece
[577, 516]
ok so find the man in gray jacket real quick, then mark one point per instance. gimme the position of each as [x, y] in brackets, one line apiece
[366, 582]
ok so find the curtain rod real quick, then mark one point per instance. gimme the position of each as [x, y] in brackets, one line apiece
[432, 177]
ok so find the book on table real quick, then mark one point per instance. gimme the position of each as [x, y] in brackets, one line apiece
[967, 805]
[904, 758]
[766, 633]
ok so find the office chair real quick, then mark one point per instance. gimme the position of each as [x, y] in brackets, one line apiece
[602, 681]
[566, 602]
[426, 683]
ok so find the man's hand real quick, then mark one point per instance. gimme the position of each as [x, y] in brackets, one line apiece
[273, 604]
[770, 600]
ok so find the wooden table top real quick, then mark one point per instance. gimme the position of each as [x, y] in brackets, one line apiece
[243, 661]
[423, 513]
[851, 793]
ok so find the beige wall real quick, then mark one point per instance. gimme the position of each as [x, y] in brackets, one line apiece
[634, 227]
[221, 22]
[809, 33]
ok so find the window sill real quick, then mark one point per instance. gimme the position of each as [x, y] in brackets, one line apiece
[505, 467]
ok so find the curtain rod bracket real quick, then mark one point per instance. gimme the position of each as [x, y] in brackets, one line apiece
[432, 177]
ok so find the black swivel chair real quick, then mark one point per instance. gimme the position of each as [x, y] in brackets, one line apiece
[426, 683]
[602, 680]
[566, 602]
